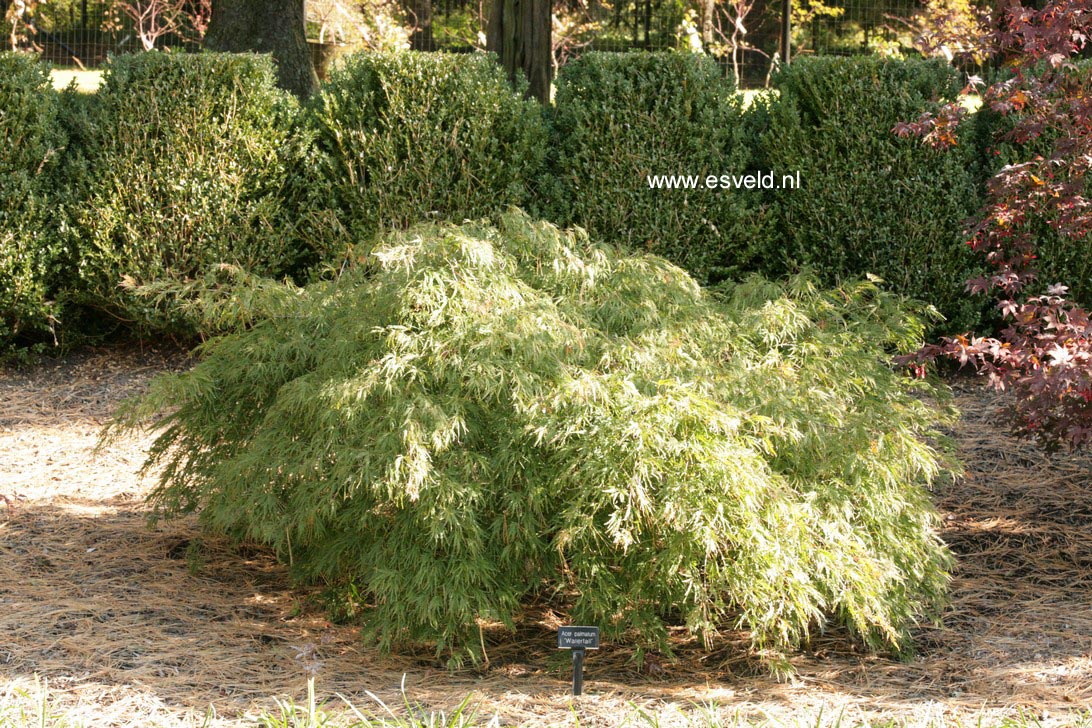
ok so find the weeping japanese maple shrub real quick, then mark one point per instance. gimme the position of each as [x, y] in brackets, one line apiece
[496, 411]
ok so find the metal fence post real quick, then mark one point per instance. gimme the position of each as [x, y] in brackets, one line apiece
[786, 32]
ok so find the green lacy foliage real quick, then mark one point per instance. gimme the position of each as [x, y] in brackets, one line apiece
[184, 160]
[621, 117]
[1060, 259]
[871, 202]
[501, 413]
[403, 138]
[31, 142]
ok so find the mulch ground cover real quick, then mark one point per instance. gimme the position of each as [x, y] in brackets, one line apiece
[133, 625]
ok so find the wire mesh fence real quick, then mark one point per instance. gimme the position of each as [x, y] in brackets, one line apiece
[744, 35]
[83, 33]
[858, 26]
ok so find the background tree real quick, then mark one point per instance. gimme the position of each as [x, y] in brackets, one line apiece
[956, 30]
[375, 25]
[708, 12]
[153, 19]
[266, 26]
[520, 33]
[420, 14]
[14, 16]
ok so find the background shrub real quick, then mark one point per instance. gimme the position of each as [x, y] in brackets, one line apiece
[184, 160]
[32, 255]
[871, 202]
[401, 138]
[496, 414]
[621, 117]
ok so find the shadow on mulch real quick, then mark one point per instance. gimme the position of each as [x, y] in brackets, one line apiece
[160, 623]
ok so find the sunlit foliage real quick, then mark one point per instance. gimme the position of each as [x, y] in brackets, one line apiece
[495, 413]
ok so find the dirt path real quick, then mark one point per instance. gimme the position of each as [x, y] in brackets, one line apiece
[138, 626]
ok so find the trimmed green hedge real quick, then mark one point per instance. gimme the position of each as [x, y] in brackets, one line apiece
[32, 256]
[184, 164]
[621, 117]
[184, 160]
[871, 202]
[401, 138]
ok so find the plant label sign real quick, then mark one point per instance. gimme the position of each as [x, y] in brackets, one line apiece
[578, 638]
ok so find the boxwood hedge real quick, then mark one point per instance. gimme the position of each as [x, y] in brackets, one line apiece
[401, 138]
[183, 161]
[623, 117]
[33, 255]
[871, 202]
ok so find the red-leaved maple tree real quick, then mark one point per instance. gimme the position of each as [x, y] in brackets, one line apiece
[1044, 353]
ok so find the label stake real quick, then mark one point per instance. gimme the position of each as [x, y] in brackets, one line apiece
[578, 672]
[579, 640]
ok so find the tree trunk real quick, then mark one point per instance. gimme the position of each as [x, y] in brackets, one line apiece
[421, 14]
[520, 35]
[266, 26]
[708, 8]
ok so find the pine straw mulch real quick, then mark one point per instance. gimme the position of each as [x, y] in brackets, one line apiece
[138, 626]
